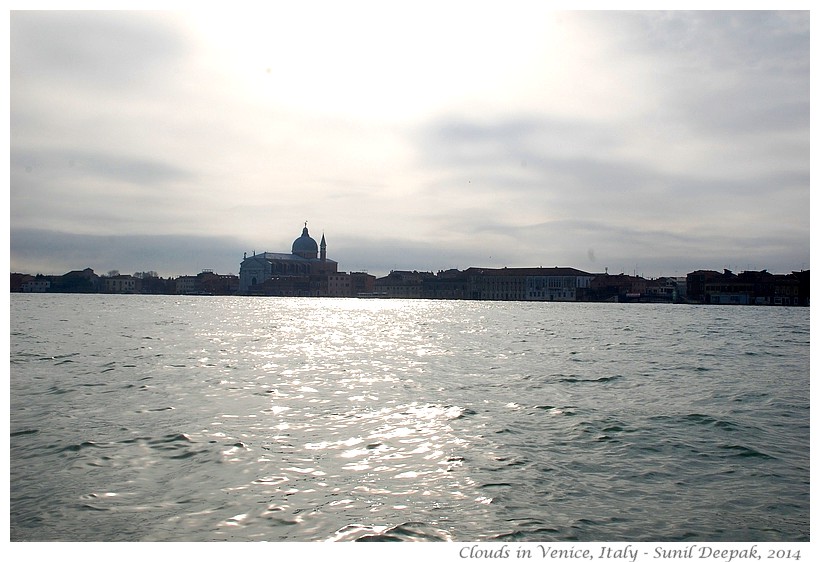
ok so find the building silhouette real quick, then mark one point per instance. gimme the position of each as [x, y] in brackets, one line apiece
[305, 272]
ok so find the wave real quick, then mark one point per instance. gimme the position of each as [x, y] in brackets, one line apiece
[24, 432]
[599, 379]
[411, 531]
[742, 451]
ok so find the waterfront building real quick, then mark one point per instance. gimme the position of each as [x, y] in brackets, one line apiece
[361, 283]
[36, 285]
[505, 284]
[302, 272]
[338, 285]
[529, 283]
[696, 284]
[186, 285]
[749, 287]
[211, 283]
[557, 284]
[403, 284]
[120, 284]
[77, 281]
[665, 289]
[451, 284]
[17, 280]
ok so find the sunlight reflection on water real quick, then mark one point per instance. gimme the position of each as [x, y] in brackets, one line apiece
[322, 419]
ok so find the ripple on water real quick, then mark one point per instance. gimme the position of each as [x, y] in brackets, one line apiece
[345, 420]
[411, 531]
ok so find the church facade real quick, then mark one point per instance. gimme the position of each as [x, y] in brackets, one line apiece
[302, 272]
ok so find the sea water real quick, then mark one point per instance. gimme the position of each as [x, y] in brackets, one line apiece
[171, 418]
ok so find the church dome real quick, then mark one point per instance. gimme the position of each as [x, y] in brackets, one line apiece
[305, 246]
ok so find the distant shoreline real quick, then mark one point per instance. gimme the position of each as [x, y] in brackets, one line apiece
[750, 288]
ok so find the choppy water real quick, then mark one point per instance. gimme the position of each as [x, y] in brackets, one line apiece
[209, 418]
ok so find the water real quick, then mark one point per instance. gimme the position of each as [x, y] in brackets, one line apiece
[151, 418]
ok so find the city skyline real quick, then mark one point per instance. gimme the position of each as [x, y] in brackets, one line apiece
[654, 143]
[106, 271]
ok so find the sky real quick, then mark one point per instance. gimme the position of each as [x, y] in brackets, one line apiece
[422, 136]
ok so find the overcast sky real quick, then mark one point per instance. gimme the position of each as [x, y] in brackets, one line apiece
[414, 136]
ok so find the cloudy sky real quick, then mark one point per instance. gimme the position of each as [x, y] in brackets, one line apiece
[414, 136]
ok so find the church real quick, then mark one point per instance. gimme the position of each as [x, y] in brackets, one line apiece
[302, 272]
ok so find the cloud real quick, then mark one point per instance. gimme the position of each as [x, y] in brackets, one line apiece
[510, 135]
[89, 191]
[98, 54]
[55, 252]
[89, 166]
[564, 170]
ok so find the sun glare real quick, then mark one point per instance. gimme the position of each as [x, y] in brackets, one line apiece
[378, 62]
